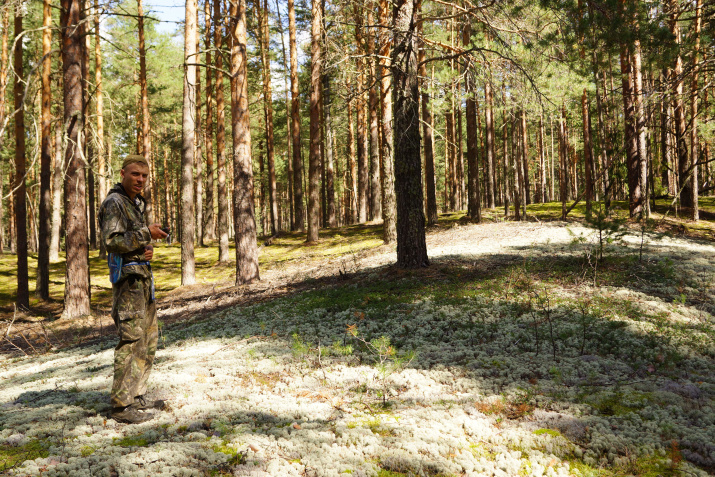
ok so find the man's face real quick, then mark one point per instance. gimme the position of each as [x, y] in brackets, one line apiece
[134, 178]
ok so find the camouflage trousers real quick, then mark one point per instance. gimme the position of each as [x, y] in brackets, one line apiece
[134, 314]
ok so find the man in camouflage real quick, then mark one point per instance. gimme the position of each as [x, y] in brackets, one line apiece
[121, 218]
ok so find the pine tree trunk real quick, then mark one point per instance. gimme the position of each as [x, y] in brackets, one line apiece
[146, 128]
[541, 189]
[57, 175]
[362, 164]
[374, 109]
[694, 213]
[77, 290]
[351, 184]
[427, 132]
[505, 162]
[99, 104]
[188, 228]
[684, 183]
[473, 208]
[389, 232]
[299, 220]
[3, 87]
[525, 161]
[42, 289]
[243, 214]
[268, 117]
[289, 163]
[640, 124]
[315, 130]
[329, 163]
[490, 171]
[635, 193]
[563, 159]
[23, 294]
[411, 243]
[222, 192]
[587, 151]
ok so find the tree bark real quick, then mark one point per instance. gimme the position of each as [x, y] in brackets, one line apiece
[411, 243]
[77, 289]
[525, 161]
[243, 214]
[362, 164]
[587, 151]
[374, 109]
[389, 232]
[329, 163]
[473, 208]
[563, 159]
[42, 289]
[351, 185]
[427, 132]
[299, 221]
[268, 116]
[315, 130]
[684, 181]
[99, 104]
[635, 193]
[542, 163]
[289, 163]
[3, 87]
[146, 128]
[640, 123]
[23, 294]
[694, 213]
[222, 192]
[490, 169]
[57, 175]
[188, 227]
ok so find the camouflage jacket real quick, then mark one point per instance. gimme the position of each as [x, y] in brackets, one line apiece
[123, 229]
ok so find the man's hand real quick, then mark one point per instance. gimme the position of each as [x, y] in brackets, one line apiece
[156, 232]
[148, 252]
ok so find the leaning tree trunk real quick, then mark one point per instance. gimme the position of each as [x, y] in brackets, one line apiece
[411, 243]
[23, 294]
[42, 290]
[243, 215]
[315, 135]
[389, 233]
[77, 290]
[188, 227]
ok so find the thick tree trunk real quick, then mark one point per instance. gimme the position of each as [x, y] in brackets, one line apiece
[23, 294]
[299, 221]
[42, 289]
[411, 243]
[315, 130]
[188, 228]
[222, 192]
[473, 208]
[389, 232]
[77, 289]
[243, 214]
[3, 87]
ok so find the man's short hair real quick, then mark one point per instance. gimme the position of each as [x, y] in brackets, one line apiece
[134, 159]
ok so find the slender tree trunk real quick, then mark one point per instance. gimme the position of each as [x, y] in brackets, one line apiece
[604, 142]
[587, 151]
[374, 109]
[362, 164]
[427, 131]
[57, 175]
[411, 243]
[694, 214]
[3, 87]
[473, 206]
[268, 116]
[542, 163]
[42, 289]
[146, 128]
[329, 164]
[214, 84]
[389, 232]
[635, 193]
[99, 104]
[351, 185]
[505, 164]
[490, 169]
[207, 132]
[188, 227]
[684, 181]
[223, 212]
[525, 161]
[243, 214]
[563, 160]
[315, 132]
[640, 122]
[77, 289]
[289, 163]
[299, 222]
[23, 294]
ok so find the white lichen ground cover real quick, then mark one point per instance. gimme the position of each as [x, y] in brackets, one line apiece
[514, 373]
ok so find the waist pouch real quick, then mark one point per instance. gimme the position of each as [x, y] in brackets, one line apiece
[115, 263]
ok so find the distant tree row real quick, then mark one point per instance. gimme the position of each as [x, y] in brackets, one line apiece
[342, 112]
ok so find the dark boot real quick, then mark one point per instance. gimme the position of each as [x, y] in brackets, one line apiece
[130, 415]
[142, 404]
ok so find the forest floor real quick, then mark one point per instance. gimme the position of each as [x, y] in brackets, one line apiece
[519, 351]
